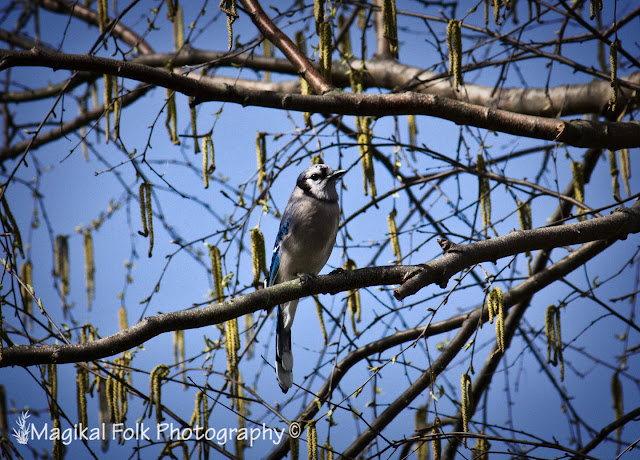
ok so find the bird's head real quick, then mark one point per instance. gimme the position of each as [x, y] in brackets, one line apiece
[319, 181]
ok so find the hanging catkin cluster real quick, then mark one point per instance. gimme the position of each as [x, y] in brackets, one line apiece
[116, 390]
[312, 441]
[465, 383]
[146, 213]
[323, 328]
[26, 273]
[261, 156]
[595, 6]
[11, 225]
[325, 50]
[228, 7]
[495, 306]
[481, 449]
[89, 266]
[625, 168]
[103, 15]
[208, 159]
[258, 256]
[578, 186]
[155, 390]
[353, 299]
[526, 223]
[618, 405]
[393, 235]
[54, 410]
[613, 59]
[484, 194]
[390, 24]
[61, 264]
[554, 338]
[232, 345]
[625, 171]
[216, 270]
[454, 46]
[82, 384]
[366, 154]
[436, 441]
[171, 123]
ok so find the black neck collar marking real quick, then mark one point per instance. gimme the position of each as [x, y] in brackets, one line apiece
[307, 192]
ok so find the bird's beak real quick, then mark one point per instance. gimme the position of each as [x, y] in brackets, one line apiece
[337, 174]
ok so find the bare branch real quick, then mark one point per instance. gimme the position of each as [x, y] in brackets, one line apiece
[616, 226]
[579, 133]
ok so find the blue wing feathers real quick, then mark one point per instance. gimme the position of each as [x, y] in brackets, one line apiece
[275, 260]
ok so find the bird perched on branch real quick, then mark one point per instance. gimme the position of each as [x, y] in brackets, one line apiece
[304, 243]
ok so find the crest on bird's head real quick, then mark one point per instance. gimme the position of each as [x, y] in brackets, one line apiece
[319, 181]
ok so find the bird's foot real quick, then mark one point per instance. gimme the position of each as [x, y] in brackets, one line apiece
[337, 271]
[306, 278]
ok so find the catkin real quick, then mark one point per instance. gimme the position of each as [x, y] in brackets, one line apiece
[103, 15]
[454, 46]
[155, 390]
[216, 269]
[325, 50]
[390, 25]
[393, 235]
[364, 143]
[613, 59]
[323, 328]
[465, 383]
[613, 170]
[353, 299]
[261, 155]
[484, 194]
[89, 267]
[27, 299]
[229, 8]
[312, 437]
[578, 186]
[258, 256]
[108, 89]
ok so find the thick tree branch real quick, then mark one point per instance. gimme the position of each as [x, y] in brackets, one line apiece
[579, 133]
[564, 100]
[616, 226]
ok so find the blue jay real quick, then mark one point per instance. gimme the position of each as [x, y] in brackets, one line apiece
[304, 243]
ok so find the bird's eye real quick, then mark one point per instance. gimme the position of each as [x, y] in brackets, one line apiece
[315, 176]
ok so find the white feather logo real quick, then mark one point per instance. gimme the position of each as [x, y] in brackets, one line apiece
[22, 435]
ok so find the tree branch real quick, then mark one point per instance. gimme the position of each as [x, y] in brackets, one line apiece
[615, 226]
[602, 435]
[579, 133]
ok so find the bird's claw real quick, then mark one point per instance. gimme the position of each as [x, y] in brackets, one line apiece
[306, 278]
